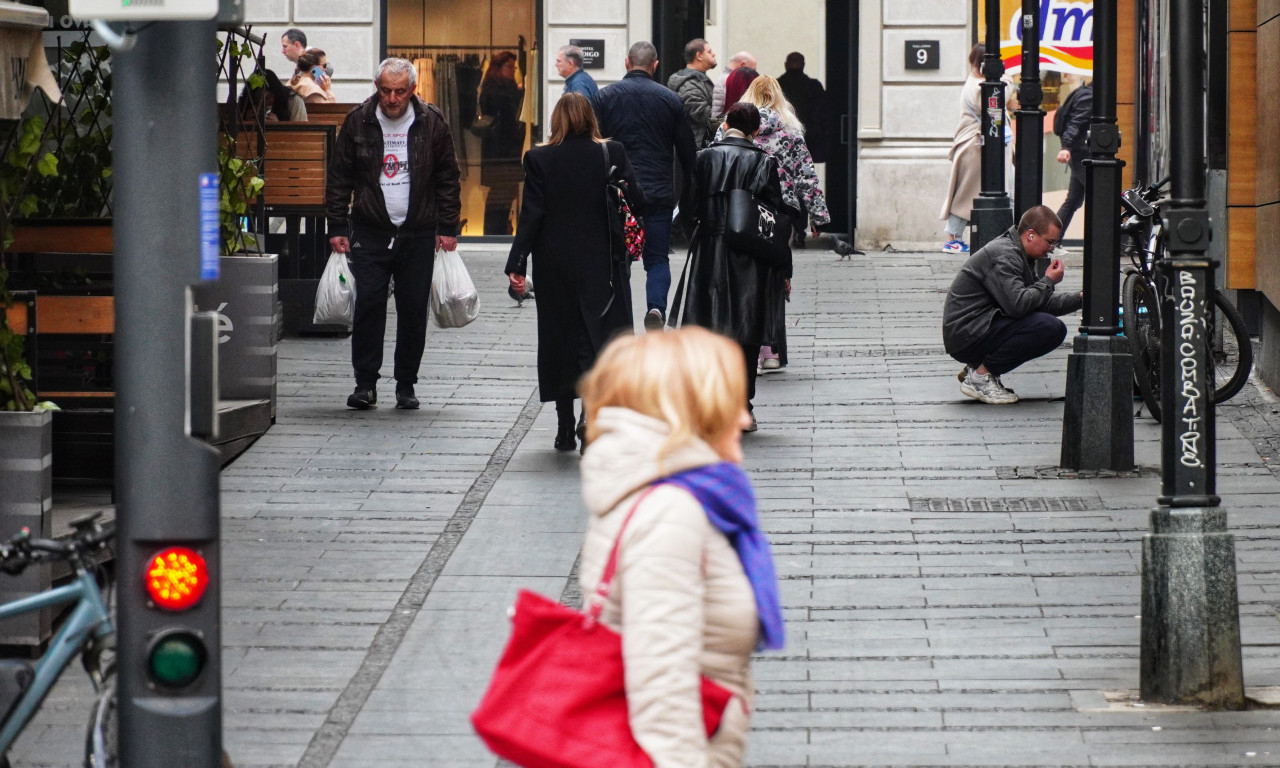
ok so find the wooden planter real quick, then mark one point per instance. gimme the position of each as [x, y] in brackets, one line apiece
[26, 500]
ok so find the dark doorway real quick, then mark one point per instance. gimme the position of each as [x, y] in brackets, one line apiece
[675, 22]
[842, 90]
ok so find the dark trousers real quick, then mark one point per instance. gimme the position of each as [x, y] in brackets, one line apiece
[1075, 190]
[410, 260]
[657, 260]
[1010, 343]
[752, 355]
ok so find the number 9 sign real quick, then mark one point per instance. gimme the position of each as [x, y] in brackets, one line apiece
[921, 54]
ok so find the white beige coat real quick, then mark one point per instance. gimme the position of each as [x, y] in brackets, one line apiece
[680, 598]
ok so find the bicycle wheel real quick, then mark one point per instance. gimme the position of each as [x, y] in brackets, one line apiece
[102, 746]
[1233, 357]
[1142, 328]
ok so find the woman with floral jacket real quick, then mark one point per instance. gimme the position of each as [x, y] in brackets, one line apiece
[782, 136]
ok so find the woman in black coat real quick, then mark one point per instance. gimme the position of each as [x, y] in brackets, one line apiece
[584, 298]
[500, 99]
[727, 289]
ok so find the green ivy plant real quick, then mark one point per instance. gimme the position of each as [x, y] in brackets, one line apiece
[239, 177]
[23, 159]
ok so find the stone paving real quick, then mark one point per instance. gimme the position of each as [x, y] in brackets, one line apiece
[953, 598]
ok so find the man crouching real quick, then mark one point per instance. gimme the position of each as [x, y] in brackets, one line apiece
[999, 315]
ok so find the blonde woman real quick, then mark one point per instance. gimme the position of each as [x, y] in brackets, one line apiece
[584, 297]
[695, 591]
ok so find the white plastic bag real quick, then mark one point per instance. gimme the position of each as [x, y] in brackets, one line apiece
[336, 294]
[454, 300]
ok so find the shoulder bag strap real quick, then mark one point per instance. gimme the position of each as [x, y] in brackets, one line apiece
[596, 606]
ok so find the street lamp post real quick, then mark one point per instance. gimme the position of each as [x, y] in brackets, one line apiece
[992, 210]
[1029, 182]
[1097, 422]
[1190, 613]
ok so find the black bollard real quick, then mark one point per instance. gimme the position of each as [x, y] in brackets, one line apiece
[1097, 421]
[1029, 183]
[1190, 613]
[992, 209]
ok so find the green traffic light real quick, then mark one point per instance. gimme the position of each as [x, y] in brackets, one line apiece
[176, 658]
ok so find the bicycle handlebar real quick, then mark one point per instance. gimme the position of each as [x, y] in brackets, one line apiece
[21, 550]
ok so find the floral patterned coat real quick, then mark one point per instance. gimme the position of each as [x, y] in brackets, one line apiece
[795, 165]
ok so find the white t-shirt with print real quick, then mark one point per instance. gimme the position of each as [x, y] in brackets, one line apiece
[395, 164]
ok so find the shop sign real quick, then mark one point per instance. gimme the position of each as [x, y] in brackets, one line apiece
[592, 53]
[1066, 35]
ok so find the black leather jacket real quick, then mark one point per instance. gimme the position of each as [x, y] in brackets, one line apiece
[435, 191]
[729, 291]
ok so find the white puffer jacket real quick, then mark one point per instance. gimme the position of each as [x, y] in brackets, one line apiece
[680, 598]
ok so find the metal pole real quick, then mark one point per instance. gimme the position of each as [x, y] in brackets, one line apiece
[1190, 613]
[167, 480]
[992, 208]
[1097, 424]
[1029, 183]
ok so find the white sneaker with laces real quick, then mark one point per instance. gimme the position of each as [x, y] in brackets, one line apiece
[986, 388]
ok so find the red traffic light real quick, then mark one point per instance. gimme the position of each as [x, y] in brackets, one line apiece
[176, 578]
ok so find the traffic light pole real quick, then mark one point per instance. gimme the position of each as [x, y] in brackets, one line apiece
[992, 209]
[166, 478]
[1190, 613]
[1097, 420]
[1028, 185]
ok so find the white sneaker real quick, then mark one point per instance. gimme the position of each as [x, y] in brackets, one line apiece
[771, 364]
[986, 388]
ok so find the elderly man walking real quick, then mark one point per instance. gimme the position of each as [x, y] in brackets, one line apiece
[393, 198]
[649, 121]
[576, 80]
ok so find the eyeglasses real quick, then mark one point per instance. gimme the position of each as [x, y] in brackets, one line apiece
[1051, 242]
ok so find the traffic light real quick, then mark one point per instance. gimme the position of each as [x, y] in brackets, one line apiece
[176, 580]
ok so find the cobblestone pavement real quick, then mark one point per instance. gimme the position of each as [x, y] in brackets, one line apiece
[953, 598]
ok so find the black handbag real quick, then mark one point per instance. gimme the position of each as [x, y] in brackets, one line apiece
[756, 228]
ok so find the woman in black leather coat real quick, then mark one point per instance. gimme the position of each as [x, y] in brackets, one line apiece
[726, 289]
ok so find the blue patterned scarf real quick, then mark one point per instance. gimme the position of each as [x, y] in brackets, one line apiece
[725, 493]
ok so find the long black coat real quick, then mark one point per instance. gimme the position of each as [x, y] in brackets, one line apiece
[583, 295]
[726, 289]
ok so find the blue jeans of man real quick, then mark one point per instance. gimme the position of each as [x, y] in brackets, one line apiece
[657, 260]
[1009, 343]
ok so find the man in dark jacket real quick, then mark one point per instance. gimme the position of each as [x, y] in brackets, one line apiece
[649, 121]
[393, 198]
[809, 99]
[696, 90]
[998, 314]
[1071, 123]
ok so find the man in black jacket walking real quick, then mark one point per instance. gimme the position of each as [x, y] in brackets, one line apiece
[392, 199]
[650, 122]
[1071, 123]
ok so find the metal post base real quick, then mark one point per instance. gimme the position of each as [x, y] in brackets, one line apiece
[1190, 615]
[992, 216]
[1097, 423]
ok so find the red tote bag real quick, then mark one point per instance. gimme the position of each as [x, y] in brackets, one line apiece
[558, 698]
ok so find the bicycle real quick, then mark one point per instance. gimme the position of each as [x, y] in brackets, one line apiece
[87, 631]
[1145, 242]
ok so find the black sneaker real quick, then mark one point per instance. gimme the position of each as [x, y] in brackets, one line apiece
[363, 398]
[404, 397]
[653, 320]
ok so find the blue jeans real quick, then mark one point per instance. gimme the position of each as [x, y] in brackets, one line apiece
[657, 261]
[1010, 343]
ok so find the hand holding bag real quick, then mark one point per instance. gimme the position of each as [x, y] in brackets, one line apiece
[454, 299]
[558, 696]
[336, 293]
[756, 228]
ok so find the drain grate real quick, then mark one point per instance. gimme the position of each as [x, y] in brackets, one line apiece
[1035, 504]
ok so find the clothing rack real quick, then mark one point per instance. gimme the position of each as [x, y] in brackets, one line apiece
[412, 52]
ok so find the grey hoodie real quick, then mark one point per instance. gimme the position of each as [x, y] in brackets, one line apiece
[695, 89]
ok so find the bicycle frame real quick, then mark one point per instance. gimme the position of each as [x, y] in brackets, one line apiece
[88, 620]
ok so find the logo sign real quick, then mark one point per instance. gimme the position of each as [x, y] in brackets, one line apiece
[210, 230]
[921, 54]
[592, 53]
[1066, 34]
